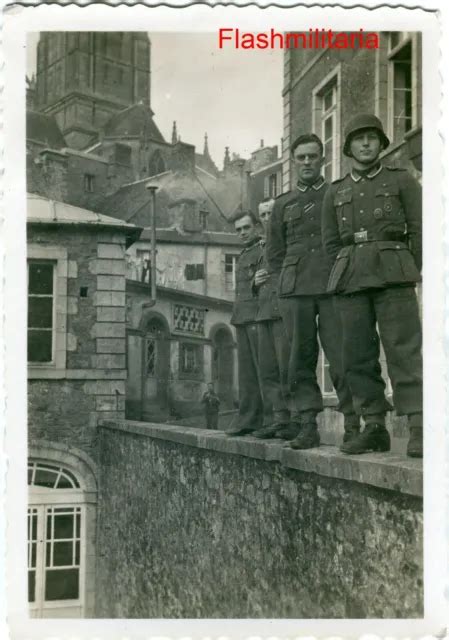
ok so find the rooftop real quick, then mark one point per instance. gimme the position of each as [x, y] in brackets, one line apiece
[136, 120]
[44, 129]
[41, 210]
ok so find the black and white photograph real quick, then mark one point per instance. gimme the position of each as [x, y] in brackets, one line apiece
[225, 297]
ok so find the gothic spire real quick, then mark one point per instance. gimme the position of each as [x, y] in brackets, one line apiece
[206, 148]
[227, 158]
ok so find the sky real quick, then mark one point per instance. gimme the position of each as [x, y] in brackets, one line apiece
[232, 94]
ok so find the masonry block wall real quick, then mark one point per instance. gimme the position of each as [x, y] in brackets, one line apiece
[86, 382]
[195, 524]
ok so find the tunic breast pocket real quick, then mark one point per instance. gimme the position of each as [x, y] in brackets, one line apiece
[293, 219]
[343, 207]
[387, 203]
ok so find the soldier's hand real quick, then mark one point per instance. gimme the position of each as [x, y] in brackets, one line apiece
[260, 277]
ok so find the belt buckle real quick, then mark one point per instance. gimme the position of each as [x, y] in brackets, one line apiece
[361, 236]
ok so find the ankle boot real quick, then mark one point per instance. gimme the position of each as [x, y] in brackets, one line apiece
[374, 437]
[414, 446]
[308, 437]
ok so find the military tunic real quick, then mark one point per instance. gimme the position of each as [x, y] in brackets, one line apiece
[254, 412]
[371, 227]
[294, 247]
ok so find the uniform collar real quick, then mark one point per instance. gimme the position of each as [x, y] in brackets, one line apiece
[357, 175]
[305, 187]
[250, 246]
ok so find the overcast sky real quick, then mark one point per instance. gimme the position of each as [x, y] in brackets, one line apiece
[234, 95]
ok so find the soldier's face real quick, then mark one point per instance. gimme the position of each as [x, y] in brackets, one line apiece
[246, 229]
[365, 146]
[308, 161]
[265, 214]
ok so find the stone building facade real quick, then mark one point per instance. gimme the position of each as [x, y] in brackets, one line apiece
[76, 378]
[265, 178]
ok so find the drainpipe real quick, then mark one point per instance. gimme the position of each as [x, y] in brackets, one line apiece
[152, 300]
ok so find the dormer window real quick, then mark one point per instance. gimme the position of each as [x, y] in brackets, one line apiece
[89, 182]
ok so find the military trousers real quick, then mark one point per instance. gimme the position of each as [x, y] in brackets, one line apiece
[274, 352]
[211, 419]
[391, 313]
[306, 318]
[254, 410]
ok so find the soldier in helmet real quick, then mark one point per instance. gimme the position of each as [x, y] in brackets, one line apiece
[371, 227]
[294, 248]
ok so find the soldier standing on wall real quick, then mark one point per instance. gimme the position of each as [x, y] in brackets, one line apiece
[294, 244]
[273, 344]
[211, 406]
[371, 228]
[252, 409]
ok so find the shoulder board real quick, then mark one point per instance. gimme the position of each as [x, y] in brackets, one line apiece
[338, 180]
[394, 168]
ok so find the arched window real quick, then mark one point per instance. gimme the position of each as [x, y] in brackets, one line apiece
[45, 475]
[56, 541]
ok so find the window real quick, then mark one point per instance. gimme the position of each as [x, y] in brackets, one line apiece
[203, 218]
[194, 272]
[190, 358]
[142, 266]
[89, 182]
[230, 267]
[47, 311]
[51, 477]
[328, 130]
[401, 84]
[326, 121]
[40, 311]
[272, 185]
[150, 356]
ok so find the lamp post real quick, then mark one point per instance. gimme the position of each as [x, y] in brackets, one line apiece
[152, 188]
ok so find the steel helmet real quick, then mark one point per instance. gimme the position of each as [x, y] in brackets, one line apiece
[363, 121]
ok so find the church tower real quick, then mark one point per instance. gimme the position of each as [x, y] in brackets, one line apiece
[83, 78]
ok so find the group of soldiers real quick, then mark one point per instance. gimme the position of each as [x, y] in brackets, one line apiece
[340, 262]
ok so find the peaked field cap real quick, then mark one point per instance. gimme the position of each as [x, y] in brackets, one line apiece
[363, 121]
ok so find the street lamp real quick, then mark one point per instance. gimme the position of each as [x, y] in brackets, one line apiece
[152, 188]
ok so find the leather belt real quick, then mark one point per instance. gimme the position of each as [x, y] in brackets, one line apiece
[367, 236]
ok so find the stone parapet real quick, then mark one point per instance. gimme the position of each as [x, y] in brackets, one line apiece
[384, 470]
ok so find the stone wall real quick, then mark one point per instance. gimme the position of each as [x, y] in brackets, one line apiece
[196, 524]
[68, 398]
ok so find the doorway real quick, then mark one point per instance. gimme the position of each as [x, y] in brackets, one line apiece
[56, 542]
[155, 369]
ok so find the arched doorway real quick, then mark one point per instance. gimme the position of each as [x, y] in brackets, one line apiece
[223, 364]
[155, 367]
[60, 512]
